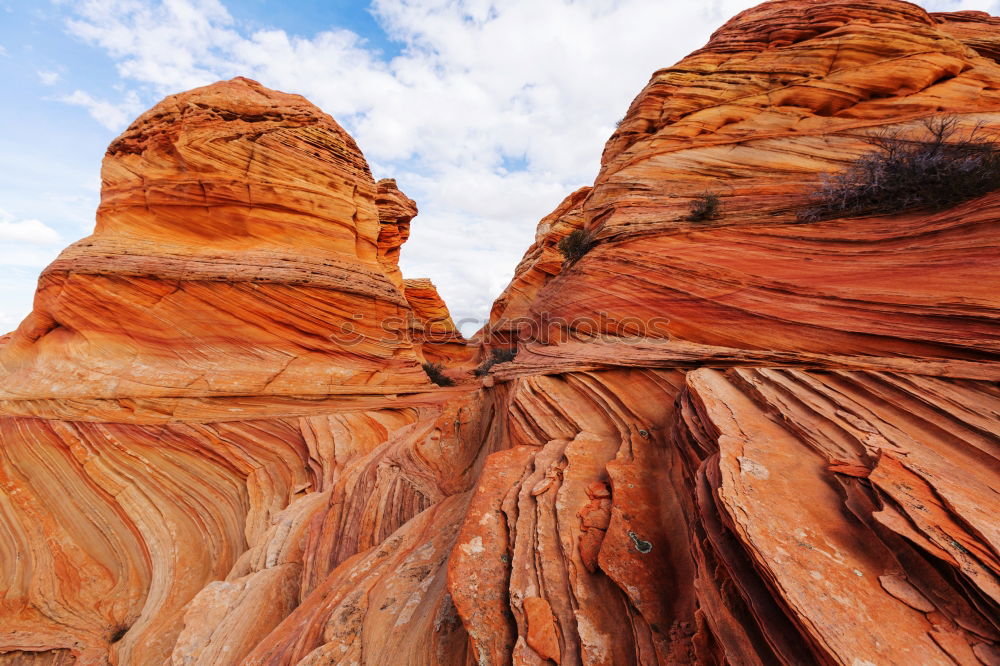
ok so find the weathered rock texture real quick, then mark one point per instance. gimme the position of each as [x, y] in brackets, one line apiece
[432, 327]
[395, 212]
[235, 254]
[741, 441]
[197, 378]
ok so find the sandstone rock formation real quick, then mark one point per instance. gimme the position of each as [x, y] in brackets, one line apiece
[395, 212]
[745, 440]
[236, 253]
[432, 326]
[511, 312]
[214, 352]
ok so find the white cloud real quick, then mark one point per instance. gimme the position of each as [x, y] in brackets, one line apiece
[48, 77]
[478, 84]
[959, 5]
[33, 232]
[9, 321]
[27, 256]
[17, 288]
[25, 247]
[114, 116]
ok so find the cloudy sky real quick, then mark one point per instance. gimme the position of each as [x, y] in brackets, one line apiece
[487, 112]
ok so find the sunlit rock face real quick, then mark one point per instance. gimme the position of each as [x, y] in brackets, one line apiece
[395, 212]
[212, 354]
[744, 440]
[237, 243]
[782, 93]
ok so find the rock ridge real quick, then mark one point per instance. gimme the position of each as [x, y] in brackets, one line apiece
[738, 440]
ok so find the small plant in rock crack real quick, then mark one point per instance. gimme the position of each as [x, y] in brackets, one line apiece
[934, 171]
[704, 207]
[435, 371]
[496, 356]
[576, 244]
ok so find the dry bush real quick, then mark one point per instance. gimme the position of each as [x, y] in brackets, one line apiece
[496, 356]
[435, 371]
[704, 207]
[934, 172]
[576, 244]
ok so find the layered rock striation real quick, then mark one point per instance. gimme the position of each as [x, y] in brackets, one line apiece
[755, 117]
[236, 253]
[232, 336]
[743, 439]
[432, 327]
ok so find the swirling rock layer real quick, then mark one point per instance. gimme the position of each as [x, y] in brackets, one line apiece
[781, 94]
[432, 326]
[746, 440]
[236, 253]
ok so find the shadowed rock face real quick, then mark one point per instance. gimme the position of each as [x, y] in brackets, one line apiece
[202, 463]
[432, 326]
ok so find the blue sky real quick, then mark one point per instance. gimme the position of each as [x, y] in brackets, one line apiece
[487, 112]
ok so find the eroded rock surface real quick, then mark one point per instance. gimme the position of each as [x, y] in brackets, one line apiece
[236, 253]
[745, 440]
[432, 327]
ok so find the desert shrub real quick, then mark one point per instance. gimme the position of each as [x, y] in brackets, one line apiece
[934, 172]
[576, 244]
[435, 371]
[704, 207]
[496, 356]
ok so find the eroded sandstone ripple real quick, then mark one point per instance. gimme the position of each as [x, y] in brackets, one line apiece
[213, 452]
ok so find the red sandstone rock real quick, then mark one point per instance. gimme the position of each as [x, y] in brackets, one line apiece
[800, 468]
[432, 327]
[541, 262]
[395, 212]
[542, 637]
[756, 116]
[235, 254]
